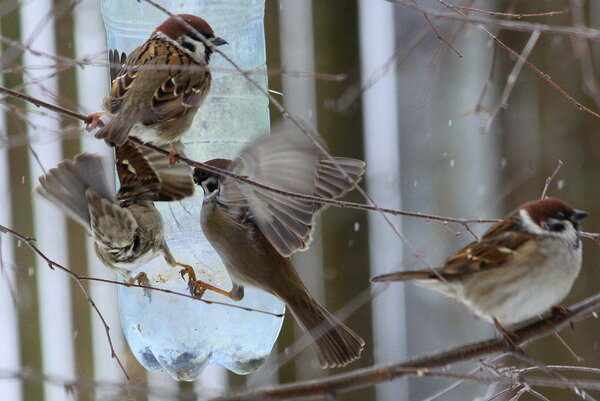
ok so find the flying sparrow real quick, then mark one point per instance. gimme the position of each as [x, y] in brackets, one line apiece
[127, 228]
[521, 267]
[255, 231]
[161, 84]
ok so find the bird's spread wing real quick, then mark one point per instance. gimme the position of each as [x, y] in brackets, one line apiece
[291, 163]
[146, 174]
[333, 183]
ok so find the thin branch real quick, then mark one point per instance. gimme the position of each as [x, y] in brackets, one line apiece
[216, 170]
[520, 26]
[41, 103]
[370, 376]
[515, 25]
[583, 52]
[52, 264]
[440, 37]
[512, 78]
[337, 203]
[402, 52]
[549, 179]
[510, 15]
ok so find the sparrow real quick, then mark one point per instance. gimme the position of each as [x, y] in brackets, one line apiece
[520, 268]
[255, 231]
[127, 228]
[161, 84]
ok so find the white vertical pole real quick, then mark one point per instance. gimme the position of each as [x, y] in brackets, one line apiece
[299, 97]
[382, 151]
[54, 291]
[93, 85]
[10, 356]
[212, 383]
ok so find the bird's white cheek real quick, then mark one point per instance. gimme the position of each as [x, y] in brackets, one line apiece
[200, 50]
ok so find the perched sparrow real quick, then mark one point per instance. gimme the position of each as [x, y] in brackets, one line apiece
[161, 85]
[254, 230]
[521, 267]
[127, 229]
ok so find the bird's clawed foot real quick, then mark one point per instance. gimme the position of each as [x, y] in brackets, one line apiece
[94, 120]
[510, 338]
[560, 311]
[142, 279]
[173, 153]
[197, 287]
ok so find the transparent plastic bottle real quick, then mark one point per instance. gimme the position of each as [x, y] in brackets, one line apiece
[169, 332]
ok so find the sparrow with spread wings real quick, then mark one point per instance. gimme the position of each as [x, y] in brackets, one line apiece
[255, 231]
[127, 228]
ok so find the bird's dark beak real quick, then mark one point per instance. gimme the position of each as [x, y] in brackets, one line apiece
[218, 41]
[579, 215]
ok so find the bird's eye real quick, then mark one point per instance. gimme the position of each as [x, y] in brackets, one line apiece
[556, 227]
[561, 216]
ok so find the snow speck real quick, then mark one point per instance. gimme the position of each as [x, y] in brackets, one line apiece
[356, 226]
[560, 184]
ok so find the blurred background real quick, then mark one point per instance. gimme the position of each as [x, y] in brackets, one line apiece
[427, 117]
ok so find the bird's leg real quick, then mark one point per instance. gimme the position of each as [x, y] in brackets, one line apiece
[562, 311]
[173, 153]
[142, 279]
[509, 337]
[95, 120]
[198, 287]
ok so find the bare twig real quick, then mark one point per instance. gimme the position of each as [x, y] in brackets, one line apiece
[216, 170]
[479, 23]
[520, 26]
[512, 79]
[440, 37]
[510, 15]
[41, 103]
[582, 52]
[52, 264]
[549, 179]
[366, 377]
[402, 52]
